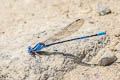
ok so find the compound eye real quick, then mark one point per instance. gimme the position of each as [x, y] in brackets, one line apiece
[30, 50]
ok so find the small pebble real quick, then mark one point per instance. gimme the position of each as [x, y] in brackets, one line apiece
[33, 14]
[25, 22]
[55, 49]
[103, 10]
[2, 32]
[107, 59]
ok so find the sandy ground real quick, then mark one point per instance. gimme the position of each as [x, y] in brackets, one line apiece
[27, 22]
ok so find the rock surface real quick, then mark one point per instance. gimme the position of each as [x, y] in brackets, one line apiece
[107, 59]
[103, 10]
[27, 22]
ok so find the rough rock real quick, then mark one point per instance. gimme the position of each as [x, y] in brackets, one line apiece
[24, 23]
[102, 9]
[107, 59]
